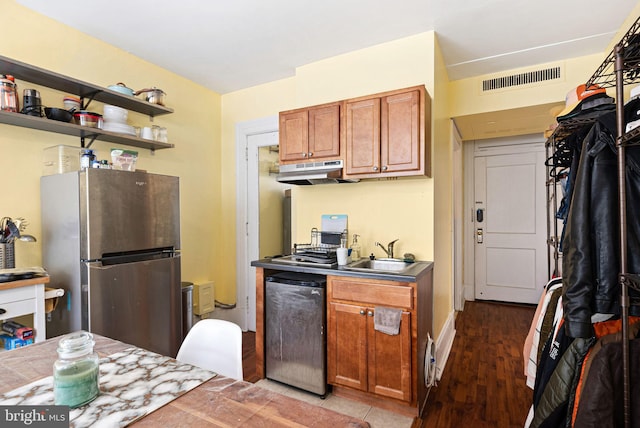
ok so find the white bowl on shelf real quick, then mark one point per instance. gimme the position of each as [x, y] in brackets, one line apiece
[115, 114]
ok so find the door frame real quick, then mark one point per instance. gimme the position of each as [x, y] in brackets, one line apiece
[457, 210]
[472, 148]
[247, 213]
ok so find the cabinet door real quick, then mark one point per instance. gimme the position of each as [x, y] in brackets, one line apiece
[400, 132]
[324, 132]
[294, 135]
[389, 363]
[347, 346]
[363, 136]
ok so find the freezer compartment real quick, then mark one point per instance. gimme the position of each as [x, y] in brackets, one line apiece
[124, 211]
[295, 340]
[137, 303]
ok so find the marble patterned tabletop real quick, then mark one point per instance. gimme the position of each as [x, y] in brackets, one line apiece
[133, 383]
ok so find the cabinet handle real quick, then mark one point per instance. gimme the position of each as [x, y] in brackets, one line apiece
[370, 313]
[304, 155]
[362, 311]
[310, 154]
[384, 168]
[375, 168]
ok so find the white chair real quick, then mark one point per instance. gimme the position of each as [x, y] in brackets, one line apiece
[214, 345]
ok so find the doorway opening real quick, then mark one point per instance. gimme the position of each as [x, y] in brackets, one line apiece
[505, 219]
[259, 208]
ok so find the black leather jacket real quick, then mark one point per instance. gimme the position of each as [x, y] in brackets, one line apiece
[591, 261]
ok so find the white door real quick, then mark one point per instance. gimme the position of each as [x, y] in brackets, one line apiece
[510, 227]
[248, 141]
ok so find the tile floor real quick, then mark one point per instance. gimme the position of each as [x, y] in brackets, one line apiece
[377, 418]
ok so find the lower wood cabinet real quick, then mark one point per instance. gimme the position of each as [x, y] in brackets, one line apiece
[360, 357]
[365, 359]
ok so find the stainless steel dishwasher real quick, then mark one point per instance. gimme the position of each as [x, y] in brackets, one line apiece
[295, 340]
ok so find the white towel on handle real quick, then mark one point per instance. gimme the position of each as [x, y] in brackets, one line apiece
[387, 320]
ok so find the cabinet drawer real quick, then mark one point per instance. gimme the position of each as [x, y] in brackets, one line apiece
[17, 308]
[374, 292]
[15, 294]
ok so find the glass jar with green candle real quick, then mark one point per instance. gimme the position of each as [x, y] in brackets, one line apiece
[75, 372]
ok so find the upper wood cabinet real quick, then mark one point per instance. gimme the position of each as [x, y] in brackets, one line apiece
[310, 133]
[388, 134]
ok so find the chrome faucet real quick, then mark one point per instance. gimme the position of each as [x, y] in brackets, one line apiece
[389, 249]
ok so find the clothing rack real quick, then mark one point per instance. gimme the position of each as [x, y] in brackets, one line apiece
[554, 164]
[621, 67]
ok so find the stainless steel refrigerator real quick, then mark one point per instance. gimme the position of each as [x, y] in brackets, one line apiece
[111, 239]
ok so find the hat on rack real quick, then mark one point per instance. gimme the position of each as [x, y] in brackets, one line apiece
[575, 97]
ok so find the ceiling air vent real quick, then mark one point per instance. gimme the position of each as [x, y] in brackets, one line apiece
[521, 79]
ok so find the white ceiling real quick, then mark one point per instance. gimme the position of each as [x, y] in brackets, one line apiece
[227, 45]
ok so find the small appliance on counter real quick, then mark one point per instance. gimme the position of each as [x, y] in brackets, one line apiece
[321, 251]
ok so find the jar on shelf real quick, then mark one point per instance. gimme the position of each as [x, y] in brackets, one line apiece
[76, 371]
[8, 93]
[87, 157]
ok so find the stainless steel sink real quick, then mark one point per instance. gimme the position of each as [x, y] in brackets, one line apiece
[379, 265]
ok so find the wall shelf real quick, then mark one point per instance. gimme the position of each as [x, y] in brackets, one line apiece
[50, 79]
[43, 124]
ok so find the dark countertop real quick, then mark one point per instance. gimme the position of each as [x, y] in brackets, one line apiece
[416, 270]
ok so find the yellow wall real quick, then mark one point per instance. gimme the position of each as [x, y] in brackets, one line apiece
[443, 197]
[241, 106]
[194, 128]
[466, 97]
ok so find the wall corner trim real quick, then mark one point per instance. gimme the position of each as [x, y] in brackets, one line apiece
[444, 344]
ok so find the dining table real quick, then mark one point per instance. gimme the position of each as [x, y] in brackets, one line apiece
[144, 389]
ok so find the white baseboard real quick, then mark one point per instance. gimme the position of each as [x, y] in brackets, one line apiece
[444, 344]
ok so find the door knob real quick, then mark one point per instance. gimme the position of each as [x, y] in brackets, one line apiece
[479, 235]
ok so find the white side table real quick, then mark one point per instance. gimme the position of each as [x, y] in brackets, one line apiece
[24, 297]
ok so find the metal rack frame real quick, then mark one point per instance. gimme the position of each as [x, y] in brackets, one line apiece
[622, 67]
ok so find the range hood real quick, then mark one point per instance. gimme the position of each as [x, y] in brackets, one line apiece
[304, 174]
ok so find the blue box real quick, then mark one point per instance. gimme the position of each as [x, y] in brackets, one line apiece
[11, 342]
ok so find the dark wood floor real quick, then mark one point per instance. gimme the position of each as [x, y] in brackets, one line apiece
[483, 383]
